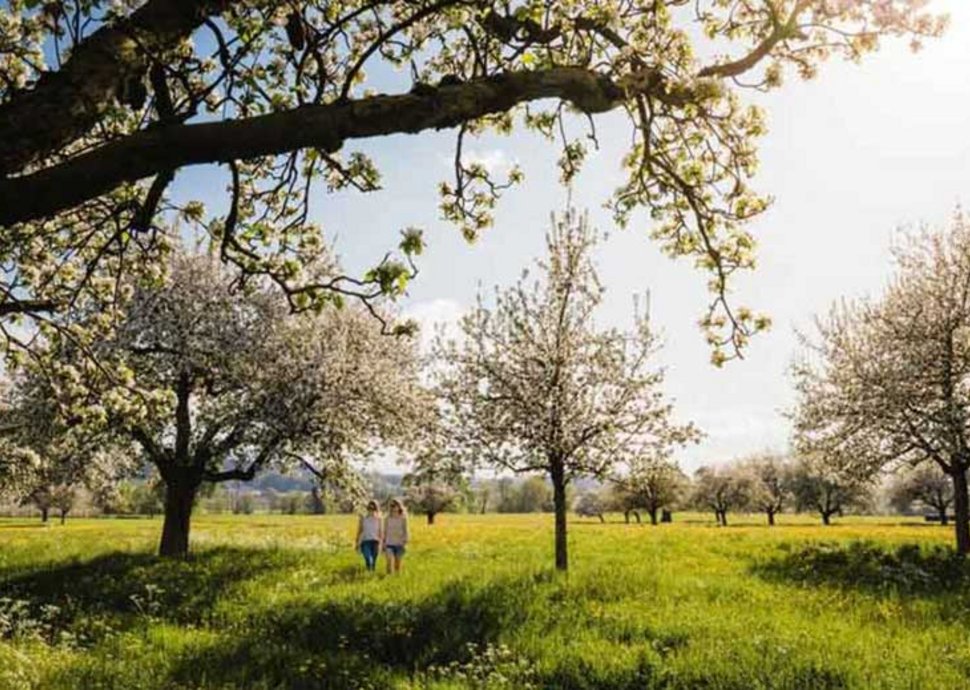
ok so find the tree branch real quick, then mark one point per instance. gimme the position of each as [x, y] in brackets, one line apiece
[779, 33]
[237, 473]
[66, 104]
[28, 306]
[326, 127]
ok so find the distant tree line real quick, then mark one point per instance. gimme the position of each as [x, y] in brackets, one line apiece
[771, 484]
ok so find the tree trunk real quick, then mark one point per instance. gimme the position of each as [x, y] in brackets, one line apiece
[316, 502]
[961, 507]
[826, 517]
[431, 517]
[179, 496]
[558, 477]
[626, 516]
[600, 516]
[653, 516]
[63, 516]
[944, 520]
[44, 514]
[771, 518]
[636, 514]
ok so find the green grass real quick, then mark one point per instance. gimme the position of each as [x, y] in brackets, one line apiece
[283, 602]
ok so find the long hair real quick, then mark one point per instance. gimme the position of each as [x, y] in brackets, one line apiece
[399, 502]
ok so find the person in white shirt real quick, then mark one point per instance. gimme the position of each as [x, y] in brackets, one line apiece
[370, 535]
[395, 535]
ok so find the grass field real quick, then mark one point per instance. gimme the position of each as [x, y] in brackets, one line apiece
[283, 602]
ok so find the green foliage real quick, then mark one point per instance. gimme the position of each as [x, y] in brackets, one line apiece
[282, 602]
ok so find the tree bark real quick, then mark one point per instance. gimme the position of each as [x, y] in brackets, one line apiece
[961, 508]
[944, 520]
[557, 474]
[63, 516]
[626, 516]
[653, 516]
[771, 518]
[431, 517]
[44, 514]
[826, 517]
[602, 519]
[179, 497]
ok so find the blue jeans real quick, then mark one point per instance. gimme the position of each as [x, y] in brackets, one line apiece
[369, 550]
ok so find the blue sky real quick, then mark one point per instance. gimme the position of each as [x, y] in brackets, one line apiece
[850, 158]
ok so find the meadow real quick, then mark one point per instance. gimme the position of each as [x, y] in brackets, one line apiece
[269, 602]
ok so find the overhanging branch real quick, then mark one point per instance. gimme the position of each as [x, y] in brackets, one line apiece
[327, 127]
[66, 104]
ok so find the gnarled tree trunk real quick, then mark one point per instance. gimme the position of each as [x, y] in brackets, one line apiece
[179, 497]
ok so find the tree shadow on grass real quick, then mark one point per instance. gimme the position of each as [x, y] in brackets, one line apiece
[119, 588]
[909, 569]
[359, 642]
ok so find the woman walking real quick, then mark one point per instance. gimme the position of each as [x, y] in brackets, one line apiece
[370, 535]
[395, 535]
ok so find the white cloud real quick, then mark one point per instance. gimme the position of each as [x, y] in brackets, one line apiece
[435, 315]
[495, 161]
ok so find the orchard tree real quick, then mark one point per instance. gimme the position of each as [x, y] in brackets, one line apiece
[437, 478]
[424, 495]
[535, 386]
[54, 487]
[770, 489]
[103, 104]
[650, 484]
[886, 382]
[592, 503]
[223, 383]
[48, 460]
[927, 487]
[722, 489]
[828, 487]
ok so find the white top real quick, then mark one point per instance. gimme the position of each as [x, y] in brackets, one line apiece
[396, 530]
[370, 528]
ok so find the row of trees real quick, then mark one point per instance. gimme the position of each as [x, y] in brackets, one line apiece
[208, 381]
[769, 484]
